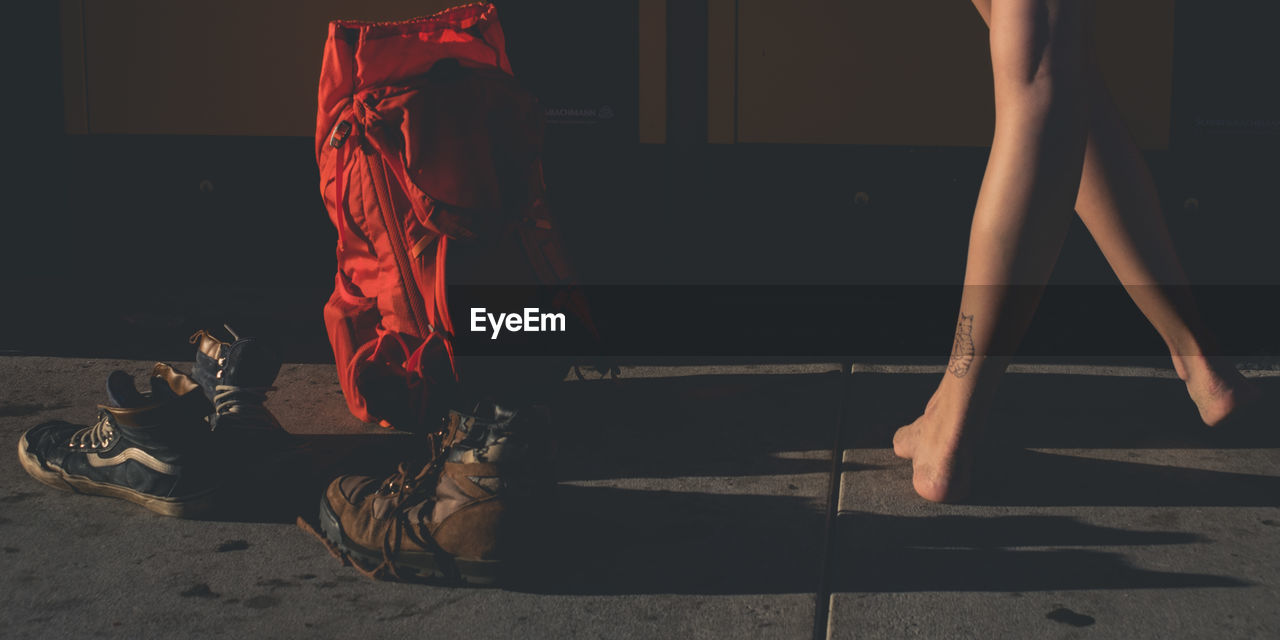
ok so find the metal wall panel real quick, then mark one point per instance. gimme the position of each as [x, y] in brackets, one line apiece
[917, 72]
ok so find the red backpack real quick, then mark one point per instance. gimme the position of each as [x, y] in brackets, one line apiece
[426, 146]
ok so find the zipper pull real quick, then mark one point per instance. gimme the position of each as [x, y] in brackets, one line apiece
[341, 131]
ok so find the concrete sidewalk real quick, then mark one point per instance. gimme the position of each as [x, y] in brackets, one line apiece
[697, 502]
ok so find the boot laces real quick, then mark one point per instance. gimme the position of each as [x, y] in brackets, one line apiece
[229, 398]
[406, 486]
[99, 435]
[405, 482]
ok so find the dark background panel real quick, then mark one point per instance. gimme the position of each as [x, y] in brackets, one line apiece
[132, 240]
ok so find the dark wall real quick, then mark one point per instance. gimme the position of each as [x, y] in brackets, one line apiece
[105, 231]
[1226, 141]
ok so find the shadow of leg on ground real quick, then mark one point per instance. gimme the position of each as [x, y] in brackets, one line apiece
[1032, 478]
[1070, 412]
[614, 541]
[292, 484]
[708, 484]
[711, 425]
[880, 553]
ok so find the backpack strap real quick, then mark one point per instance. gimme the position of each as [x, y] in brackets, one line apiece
[337, 140]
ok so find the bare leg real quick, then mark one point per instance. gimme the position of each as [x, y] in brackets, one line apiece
[1119, 206]
[1117, 202]
[1023, 211]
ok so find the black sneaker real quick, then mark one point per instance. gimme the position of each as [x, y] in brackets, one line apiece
[147, 448]
[236, 377]
[268, 471]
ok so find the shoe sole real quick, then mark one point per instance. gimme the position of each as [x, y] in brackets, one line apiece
[193, 506]
[421, 566]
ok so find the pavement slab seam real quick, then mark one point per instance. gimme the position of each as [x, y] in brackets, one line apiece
[823, 597]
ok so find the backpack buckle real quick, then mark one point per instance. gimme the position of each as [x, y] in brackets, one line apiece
[341, 131]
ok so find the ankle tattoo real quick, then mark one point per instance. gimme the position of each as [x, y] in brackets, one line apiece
[962, 350]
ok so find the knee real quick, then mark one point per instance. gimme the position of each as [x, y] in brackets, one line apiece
[1039, 55]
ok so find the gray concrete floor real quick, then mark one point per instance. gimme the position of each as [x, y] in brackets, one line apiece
[694, 502]
[1119, 519]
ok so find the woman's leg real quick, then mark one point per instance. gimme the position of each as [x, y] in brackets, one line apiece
[1038, 54]
[1118, 204]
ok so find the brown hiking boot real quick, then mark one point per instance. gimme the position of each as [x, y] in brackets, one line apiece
[451, 519]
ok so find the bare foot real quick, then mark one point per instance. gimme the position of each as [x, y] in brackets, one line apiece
[933, 443]
[1215, 386]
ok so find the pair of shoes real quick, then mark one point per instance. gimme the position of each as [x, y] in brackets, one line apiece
[453, 519]
[171, 447]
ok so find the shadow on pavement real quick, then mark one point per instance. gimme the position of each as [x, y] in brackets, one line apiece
[682, 525]
[724, 476]
[713, 425]
[292, 487]
[617, 541]
[675, 523]
[1033, 478]
[1069, 412]
[880, 553]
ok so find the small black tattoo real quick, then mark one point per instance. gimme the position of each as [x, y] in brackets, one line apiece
[962, 351]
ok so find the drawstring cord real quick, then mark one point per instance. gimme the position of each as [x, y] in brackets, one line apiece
[441, 311]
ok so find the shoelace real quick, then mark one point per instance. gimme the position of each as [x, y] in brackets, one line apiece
[405, 485]
[96, 436]
[229, 398]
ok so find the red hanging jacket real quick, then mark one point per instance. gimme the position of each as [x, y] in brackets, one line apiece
[423, 138]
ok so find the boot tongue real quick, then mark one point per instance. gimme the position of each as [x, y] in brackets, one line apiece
[251, 363]
[121, 391]
[160, 390]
